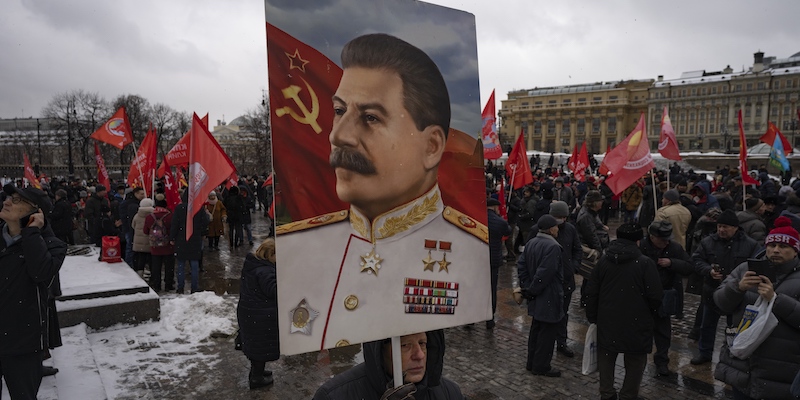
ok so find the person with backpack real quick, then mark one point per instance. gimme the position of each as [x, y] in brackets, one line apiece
[141, 240]
[157, 227]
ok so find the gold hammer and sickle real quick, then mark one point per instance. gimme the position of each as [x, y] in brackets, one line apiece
[309, 117]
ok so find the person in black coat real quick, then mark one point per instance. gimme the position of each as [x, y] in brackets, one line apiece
[61, 218]
[370, 379]
[236, 208]
[498, 228]
[188, 250]
[672, 263]
[257, 313]
[622, 297]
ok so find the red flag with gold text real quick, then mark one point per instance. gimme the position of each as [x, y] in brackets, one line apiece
[208, 167]
[30, 175]
[116, 131]
[102, 172]
[581, 163]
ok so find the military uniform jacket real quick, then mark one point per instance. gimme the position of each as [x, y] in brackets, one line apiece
[343, 279]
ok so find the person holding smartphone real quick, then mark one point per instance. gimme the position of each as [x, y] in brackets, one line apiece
[30, 255]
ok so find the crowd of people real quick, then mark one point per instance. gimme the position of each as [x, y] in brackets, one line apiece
[681, 232]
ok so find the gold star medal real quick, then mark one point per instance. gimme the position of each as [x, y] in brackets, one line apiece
[302, 316]
[443, 264]
[429, 262]
[371, 262]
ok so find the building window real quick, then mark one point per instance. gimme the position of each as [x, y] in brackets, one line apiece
[567, 101]
[758, 111]
[701, 129]
[613, 97]
[683, 116]
[681, 130]
[788, 84]
[774, 112]
[691, 116]
[524, 103]
[597, 99]
[749, 87]
[714, 90]
[694, 91]
[746, 126]
[565, 126]
[581, 112]
[691, 129]
[683, 92]
[537, 128]
[595, 125]
[758, 126]
[747, 112]
[702, 115]
[537, 103]
[711, 128]
[551, 127]
[581, 125]
[663, 95]
[581, 99]
[760, 85]
[724, 89]
[612, 124]
[723, 114]
[712, 115]
[738, 88]
[611, 111]
[776, 85]
[551, 102]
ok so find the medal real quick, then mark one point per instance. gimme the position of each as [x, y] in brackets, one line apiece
[302, 316]
[429, 262]
[443, 264]
[371, 262]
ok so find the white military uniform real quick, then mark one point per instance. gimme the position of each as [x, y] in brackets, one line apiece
[342, 280]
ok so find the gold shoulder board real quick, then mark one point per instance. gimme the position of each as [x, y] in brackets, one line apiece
[320, 220]
[466, 223]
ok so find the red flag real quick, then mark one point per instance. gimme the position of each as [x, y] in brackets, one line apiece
[178, 156]
[667, 143]
[491, 143]
[769, 138]
[233, 180]
[581, 163]
[518, 161]
[302, 82]
[170, 186]
[502, 197]
[602, 169]
[116, 131]
[102, 172]
[204, 120]
[573, 158]
[181, 178]
[30, 175]
[267, 181]
[631, 159]
[143, 165]
[746, 178]
[208, 167]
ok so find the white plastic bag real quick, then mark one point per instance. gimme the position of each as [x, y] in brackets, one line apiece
[757, 324]
[590, 351]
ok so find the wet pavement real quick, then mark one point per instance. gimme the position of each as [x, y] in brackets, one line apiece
[486, 364]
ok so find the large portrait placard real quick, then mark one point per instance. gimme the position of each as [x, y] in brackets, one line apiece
[380, 193]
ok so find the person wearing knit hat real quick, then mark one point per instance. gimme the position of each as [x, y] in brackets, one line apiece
[541, 279]
[621, 295]
[751, 221]
[679, 216]
[141, 240]
[716, 257]
[769, 371]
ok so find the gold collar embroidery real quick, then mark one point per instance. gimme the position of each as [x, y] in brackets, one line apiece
[400, 219]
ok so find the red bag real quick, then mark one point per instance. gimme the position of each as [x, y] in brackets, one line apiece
[110, 251]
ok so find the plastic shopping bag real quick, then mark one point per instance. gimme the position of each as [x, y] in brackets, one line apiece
[590, 351]
[110, 250]
[757, 324]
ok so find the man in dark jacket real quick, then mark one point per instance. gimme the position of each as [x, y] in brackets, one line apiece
[591, 231]
[541, 279]
[513, 207]
[92, 211]
[498, 228]
[623, 295]
[672, 263]
[188, 250]
[61, 217]
[423, 358]
[715, 258]
[768, 372]
[235, 205]
[30, 256]
[571, 254]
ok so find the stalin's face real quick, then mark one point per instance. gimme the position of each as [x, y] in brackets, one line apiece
[381, 159]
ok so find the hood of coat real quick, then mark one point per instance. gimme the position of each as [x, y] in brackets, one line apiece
[379, 378]
[252, 262]
[747, 216]
[144, 211]
[621, 251]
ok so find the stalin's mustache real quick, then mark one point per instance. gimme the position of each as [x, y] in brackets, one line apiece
[347, 158]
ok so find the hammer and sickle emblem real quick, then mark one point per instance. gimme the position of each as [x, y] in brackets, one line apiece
[308, 117]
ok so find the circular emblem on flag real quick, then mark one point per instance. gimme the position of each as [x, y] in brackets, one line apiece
[113, 127]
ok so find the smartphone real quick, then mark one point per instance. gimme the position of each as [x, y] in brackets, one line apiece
[761, 267]
[24, 221]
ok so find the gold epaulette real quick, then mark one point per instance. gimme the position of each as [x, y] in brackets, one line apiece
[320, 220]
[466, 223]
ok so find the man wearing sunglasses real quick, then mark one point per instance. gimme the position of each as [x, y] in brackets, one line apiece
[30, 256]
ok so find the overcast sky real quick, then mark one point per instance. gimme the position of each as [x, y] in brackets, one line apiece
[210, 55]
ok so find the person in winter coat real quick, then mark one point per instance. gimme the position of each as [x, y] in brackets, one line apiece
[769, 371]
[188, 251]
[498, 228]
[127, 209]
[591, 230]
[141, 240]
[234, 204]
[61, 218]
[672, 263]
[632, 198]
[93, 212]
[676, 214]
[157, 227]
[257, 313]
[106, 225]
[541, 279]
[248, 200]
[514, 207]
[715, 258]
[30, 256]
[218, 216]
[750, 220]
[563, 193]
[422, 356]
[623, 296]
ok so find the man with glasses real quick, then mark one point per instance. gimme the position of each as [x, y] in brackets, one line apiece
[30, 256]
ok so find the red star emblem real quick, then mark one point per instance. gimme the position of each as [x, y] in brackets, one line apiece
[295, 61]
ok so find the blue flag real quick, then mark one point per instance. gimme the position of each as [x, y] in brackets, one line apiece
[776, 156]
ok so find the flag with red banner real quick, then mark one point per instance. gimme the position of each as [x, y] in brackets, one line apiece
[491, 143]
[178, 155]
[30, 175]
[102, 172]
[581, 163]
[631, 159]
[746, 178]
[573, 158]
[170, 186]
[667, 143]
[208, 167]
[182, 183]
[116, 131]
[233, 180]
[144, 164]
[771, 134]
[267, 181]
[517, 165]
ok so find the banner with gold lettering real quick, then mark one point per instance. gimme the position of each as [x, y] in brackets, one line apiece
[380, 193]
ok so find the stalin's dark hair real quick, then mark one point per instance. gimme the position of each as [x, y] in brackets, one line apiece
[425, 93]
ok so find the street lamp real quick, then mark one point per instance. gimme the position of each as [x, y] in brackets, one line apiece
[70, 165]
[39, 140]
[725, 135]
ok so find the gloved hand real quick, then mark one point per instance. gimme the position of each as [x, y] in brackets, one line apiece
[403, 392]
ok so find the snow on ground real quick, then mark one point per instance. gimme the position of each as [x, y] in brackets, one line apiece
[132, 360]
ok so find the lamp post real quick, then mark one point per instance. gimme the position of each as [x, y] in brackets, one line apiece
[70, 165]
[725, 135]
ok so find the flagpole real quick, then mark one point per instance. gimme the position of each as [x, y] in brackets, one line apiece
[138, 166]
[655, 195]
[513, 175]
